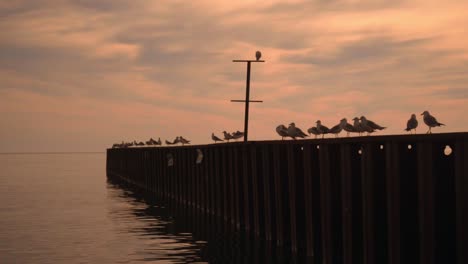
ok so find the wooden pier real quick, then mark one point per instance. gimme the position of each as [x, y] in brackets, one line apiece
[378, 199]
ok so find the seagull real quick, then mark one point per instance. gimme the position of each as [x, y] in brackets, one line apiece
[313, 130]
[322, 129]
[149, 142]
[347, 126]
[258, 55]
[371, 124]
[138, 143]
[294, 131]
[177, 140]
[183, 140]
[336, 130]
[215, 138]
[412, 123]
[158, 142]
[170, 143]
[282, 131]
[227, 136]
[366, 127]
[236, 135]
[430, 121]
[357, 126]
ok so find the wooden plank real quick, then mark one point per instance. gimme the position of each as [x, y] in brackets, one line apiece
[393, 201]
[426, 203]
[217, 183]
[326, 205]
[368, 223]
[347, 204]
[230, 186]
[266, 191]
[461, 196]
[236, 179]
[226, 190]
[246, 190]
[308, 201]
[278, 196]
[255, 198]
[292, 195]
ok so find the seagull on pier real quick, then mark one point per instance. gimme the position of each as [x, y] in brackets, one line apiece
[294, 131]
[347, 126]
[366, 127]
[149, 142]
[236, 135]
[170, 143]
[177, 140]
[282, 131]
[183, 140]
[371, 124]
[138, 143]
[336, 130]
[322, 129]
[215, 138]
[357, 126]
[430, 121]
[227, 136]
[258, 55]
[313, 131]
[412, 123]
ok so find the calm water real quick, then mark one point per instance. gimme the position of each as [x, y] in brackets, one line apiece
[60, 208]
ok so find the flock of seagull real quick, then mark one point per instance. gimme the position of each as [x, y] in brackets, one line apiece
[227, 136]
[360, 126]
[151, 142]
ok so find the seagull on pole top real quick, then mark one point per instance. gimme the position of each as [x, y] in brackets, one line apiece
[258, 55]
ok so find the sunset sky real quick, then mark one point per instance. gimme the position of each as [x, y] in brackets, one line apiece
[81, 75]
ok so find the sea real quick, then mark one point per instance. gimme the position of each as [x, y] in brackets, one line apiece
[62, 208]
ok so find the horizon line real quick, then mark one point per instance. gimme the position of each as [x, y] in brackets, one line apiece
[52, 152]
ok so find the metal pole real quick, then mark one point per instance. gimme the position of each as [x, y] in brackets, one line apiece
[247, 95]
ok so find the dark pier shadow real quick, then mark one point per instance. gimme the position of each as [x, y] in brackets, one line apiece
[206, 238]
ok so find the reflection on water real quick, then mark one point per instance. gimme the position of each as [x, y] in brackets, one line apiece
[180, 235]
[152, 224]
[60, 208]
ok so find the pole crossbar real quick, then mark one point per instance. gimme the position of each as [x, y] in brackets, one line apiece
[243, 101]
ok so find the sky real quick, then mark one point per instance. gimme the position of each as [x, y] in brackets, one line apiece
[81, 75]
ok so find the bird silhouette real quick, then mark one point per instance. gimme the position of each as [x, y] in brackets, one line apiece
[371, 124]
[347, 126]
[236, 135]
[430, 121]
[170, 143]
[282, 131]
[215, 138]
[357, 126]
[322, 129]
[313, 131]
[159, 143]
[183, 140]
[336, 130]
[294, 131]
[227, 136]
[412, 123]
[258, 55]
